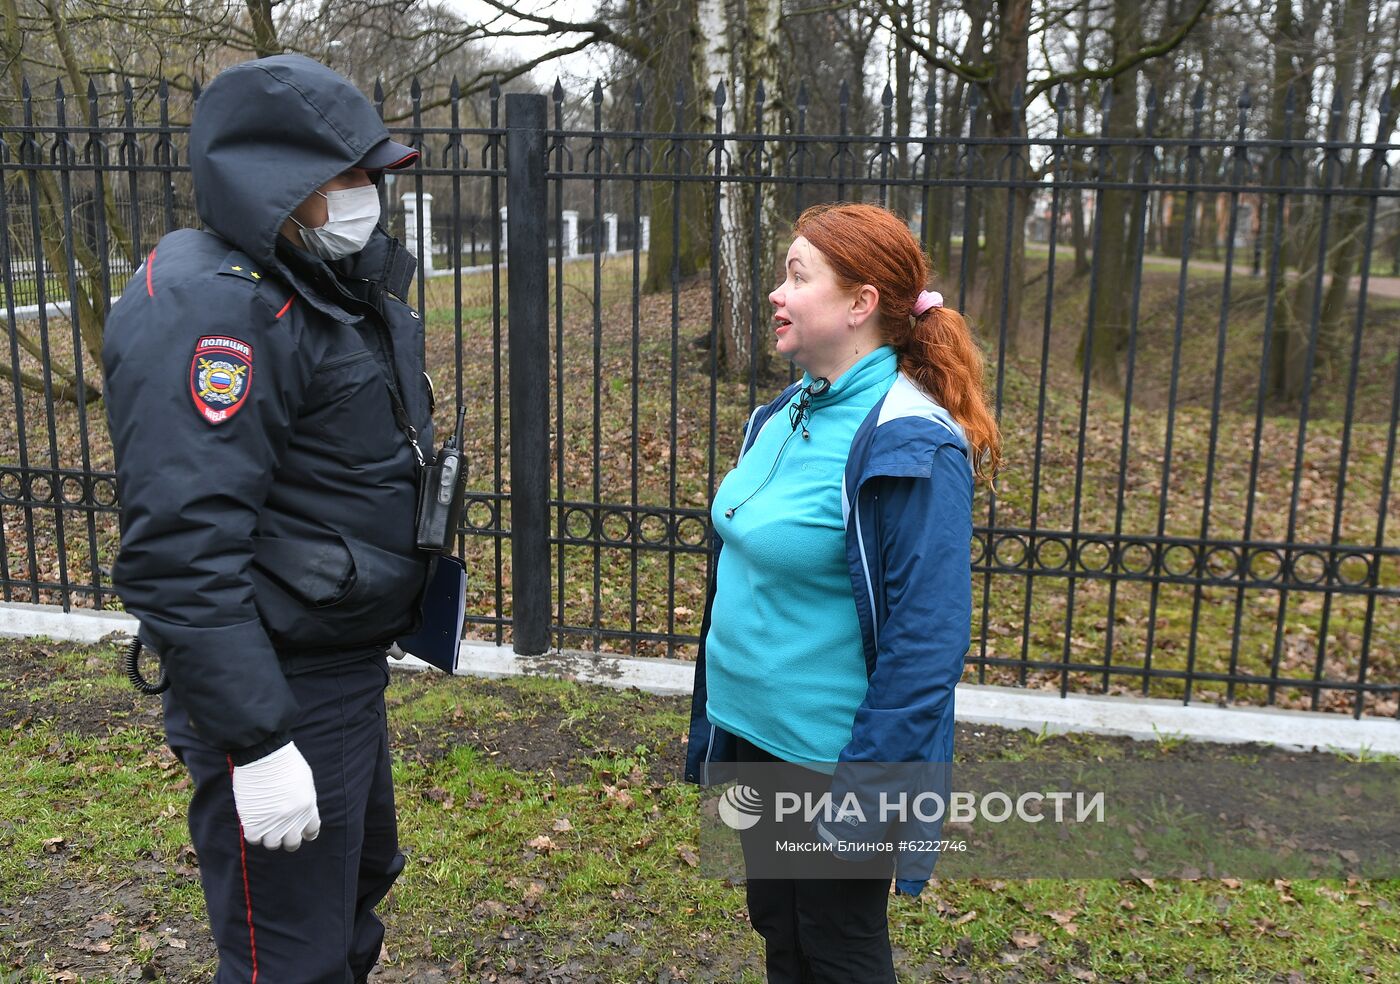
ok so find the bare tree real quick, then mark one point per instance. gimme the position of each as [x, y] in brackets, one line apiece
[1001, 71]
[741, 43]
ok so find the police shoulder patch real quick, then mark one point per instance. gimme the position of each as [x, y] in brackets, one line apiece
[221, 375]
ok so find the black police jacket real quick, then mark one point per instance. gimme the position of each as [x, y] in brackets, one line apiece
[267, 492]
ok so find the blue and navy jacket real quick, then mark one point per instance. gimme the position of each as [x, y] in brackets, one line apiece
[907, 503]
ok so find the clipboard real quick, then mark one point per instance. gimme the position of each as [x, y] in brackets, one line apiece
[444, 608]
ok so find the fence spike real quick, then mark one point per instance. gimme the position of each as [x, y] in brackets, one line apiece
[845, 97]
[1385, 107]
[802, 94]
[61, 143]
[24, 88]
[1246, 99]
[930, 99]
[637, 94]
[415, 91]
[887, 97]
[454, 91]
[719, 93]
[93, 121]
[379, 91]
[495, 91]
[761, 95]
[680, 96]
[1198, 98]
[1062, 98]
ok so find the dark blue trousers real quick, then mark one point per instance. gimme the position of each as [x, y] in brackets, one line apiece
[305, 917]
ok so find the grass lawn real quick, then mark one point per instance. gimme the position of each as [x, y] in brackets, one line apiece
[549, 839]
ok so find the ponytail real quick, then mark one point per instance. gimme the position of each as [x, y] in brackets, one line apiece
[940, 355]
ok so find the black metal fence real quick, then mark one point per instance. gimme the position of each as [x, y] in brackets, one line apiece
[1199, 507]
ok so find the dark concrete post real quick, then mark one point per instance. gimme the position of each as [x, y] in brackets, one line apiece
[527, 253]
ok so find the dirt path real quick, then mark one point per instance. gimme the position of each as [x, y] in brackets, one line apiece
[1387, 287]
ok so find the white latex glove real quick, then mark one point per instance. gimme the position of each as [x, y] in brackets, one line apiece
[276, 800]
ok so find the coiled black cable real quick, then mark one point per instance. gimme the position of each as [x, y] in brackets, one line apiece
[130, 659]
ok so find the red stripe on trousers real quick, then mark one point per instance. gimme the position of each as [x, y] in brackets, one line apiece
[247, 892]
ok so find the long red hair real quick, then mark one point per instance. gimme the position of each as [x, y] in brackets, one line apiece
[866, 244]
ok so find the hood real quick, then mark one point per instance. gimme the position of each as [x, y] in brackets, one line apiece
[265, 135]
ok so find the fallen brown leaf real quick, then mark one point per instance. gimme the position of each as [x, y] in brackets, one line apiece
[1025, 939]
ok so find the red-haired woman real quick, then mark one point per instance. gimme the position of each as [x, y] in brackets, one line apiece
[840, 611]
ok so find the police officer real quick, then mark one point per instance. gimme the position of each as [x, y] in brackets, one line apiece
[269, 413]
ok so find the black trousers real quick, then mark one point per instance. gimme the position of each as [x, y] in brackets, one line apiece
[305, 917]
[817, 930]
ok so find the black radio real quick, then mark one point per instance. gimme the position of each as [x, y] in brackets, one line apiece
[441, 488]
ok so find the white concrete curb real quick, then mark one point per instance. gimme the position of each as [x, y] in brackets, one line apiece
[54, 309]
[1006, 707]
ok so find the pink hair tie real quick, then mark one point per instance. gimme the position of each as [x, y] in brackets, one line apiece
[927, 299]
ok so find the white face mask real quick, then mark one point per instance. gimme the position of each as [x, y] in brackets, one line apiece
[351, 215]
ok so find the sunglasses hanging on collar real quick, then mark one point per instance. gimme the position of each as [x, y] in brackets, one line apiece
[798, 413]
[801, 411]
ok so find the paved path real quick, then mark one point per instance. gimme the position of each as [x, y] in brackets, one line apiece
[1387, 287]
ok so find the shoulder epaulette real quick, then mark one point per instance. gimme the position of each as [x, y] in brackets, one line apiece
[237, 264]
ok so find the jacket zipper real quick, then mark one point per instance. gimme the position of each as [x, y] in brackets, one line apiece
[865, 568]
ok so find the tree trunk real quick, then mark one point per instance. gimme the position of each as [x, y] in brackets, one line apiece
[1344, 252]
[1079, 232]
[1208, 221]
[971, 229]
[1005, 210]
[84, 305]
[677, 63]
[1117, 219]
[901, 199]
[1079, 227]
[939, 230]
[1295, 60]
[264, 28]
[1172, 220]
[741, 43]
[116, 225]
